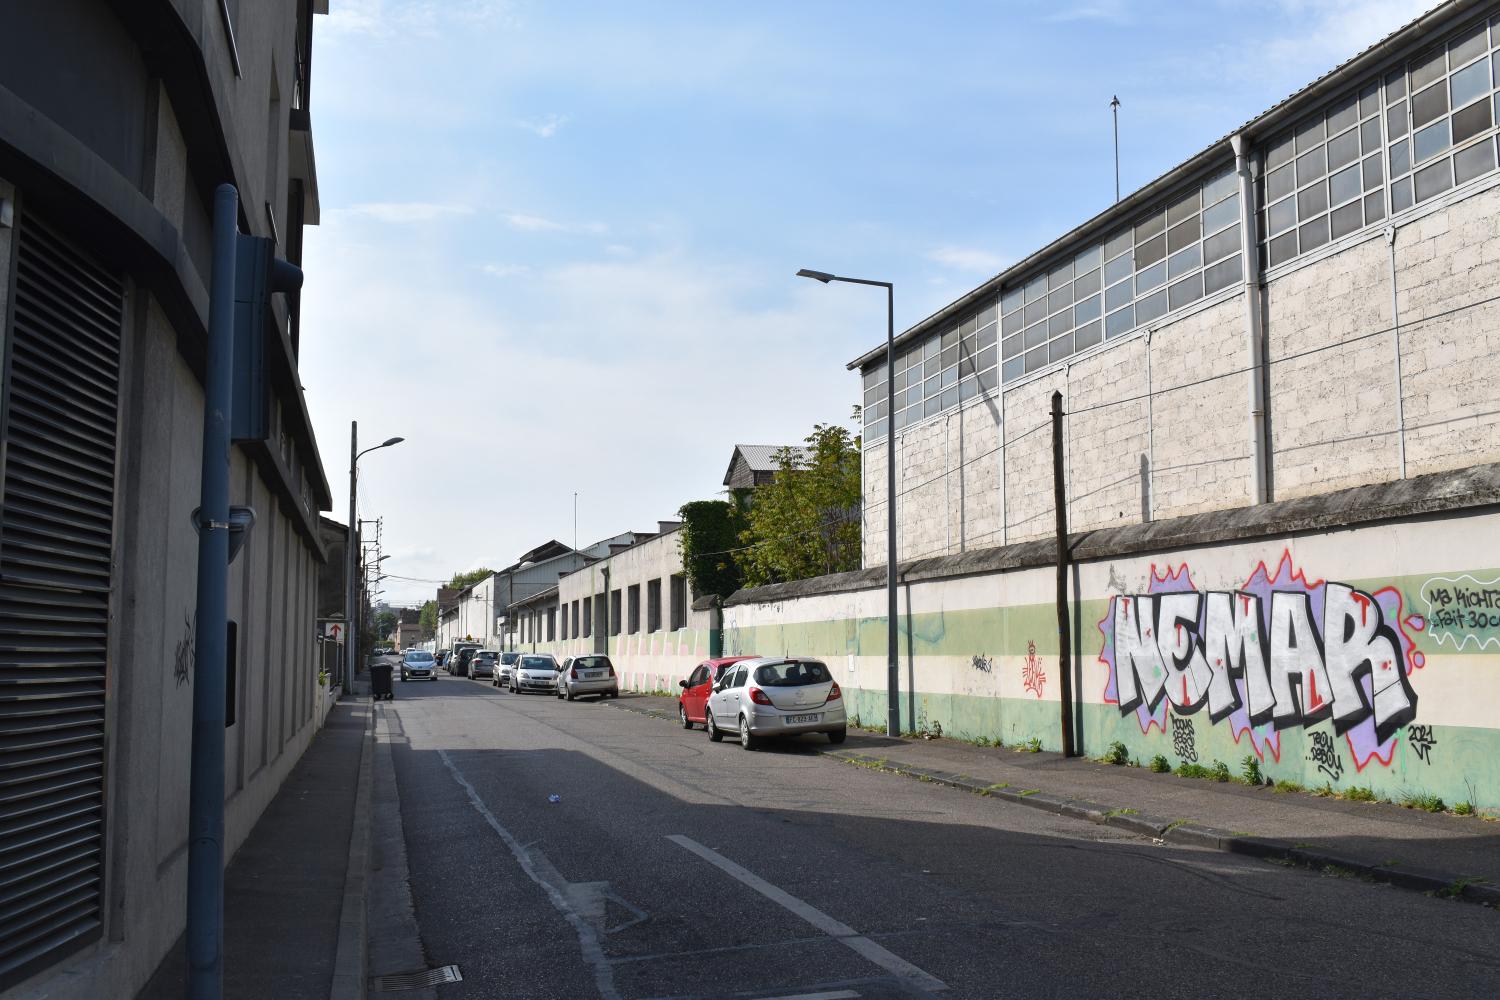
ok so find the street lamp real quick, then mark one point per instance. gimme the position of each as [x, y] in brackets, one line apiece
[349, 545]
[893, 675]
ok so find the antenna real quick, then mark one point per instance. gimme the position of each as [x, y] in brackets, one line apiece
[1114, 110]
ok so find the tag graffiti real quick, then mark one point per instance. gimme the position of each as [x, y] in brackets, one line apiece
[1274, 653]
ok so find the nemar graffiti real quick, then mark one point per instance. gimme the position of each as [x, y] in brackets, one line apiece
[1277, 652]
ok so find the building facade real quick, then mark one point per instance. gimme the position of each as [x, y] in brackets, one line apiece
[117, 123]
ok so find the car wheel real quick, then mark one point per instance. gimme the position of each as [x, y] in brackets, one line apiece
[682, 716]
[714, 732]
[747, 739]
[568, 693]
[838, 735]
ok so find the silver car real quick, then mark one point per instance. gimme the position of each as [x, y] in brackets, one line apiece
[588, 675]
[534, 672]
[483, 663]
[418, 665]
[775, 696]
[503, 669]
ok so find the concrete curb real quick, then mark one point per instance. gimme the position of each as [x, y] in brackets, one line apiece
[350, 960]
[1170, 831]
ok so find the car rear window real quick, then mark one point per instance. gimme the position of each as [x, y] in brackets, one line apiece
[793, 674]
[485, 656]
[591, 662]
[509, 658]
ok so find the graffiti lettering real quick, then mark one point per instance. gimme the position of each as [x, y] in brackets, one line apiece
[1325, 754]
[1032, 675]
[1463, 609]
[1422, 741]
[1184, 740]
[182, 662]
[983, 663]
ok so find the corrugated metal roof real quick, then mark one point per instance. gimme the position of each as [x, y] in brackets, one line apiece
[1258, 127]
[762, 457]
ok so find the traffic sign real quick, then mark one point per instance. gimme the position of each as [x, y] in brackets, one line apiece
[334, 631]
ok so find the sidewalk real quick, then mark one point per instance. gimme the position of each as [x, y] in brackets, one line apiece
[284, 889]
[1451, 855]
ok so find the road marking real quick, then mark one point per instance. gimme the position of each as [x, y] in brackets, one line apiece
[542, 872]
[846, 935]
[835, 995]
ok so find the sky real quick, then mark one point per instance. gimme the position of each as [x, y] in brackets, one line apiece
[558, 238]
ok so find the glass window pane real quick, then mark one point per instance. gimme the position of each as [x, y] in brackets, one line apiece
[1428, 67]
[950, 356]
[932, 347]
[1310, 133]
[1469, 83]
[1087, 309]
[1087, 335]
[1218, 188]
[1374, 207]
[1279, 152]
[875, 431]
[986, 337]
[1035, 311]
[932, 386]
[1346, 220]
[1283, 248]
[1311, 166]
[1120, 267]
[1013, 369]
[985, 359]
[1060, 323]
[874, 376]
[900, 381]
[1010, 347]
[1400, 159]
[1222, 275]
[1149, 227]
[1118, 244]
[965, 328]
[1183, 234]
[1117, 295]
[1369, 101]
[1428, 104]
[1182, 209]
[1344, 185]
[1060, 348]
[1281, 216]
[985, 315]
[1151, 251]
[1395, 86]
[1011, 300]
[1150, 277]
[932, 406]
[1221, 215]
[1060, 276]
[1395, 121]
[1369, 135]
[1035, 335]
[1343, 149]
[1372, 172]
[988, 380]
[1471, 121]
[1280, 182]
[1468, 45]
[1187, 260]
[1036, 359]
[932, 366]
[1087, 261]
[1311, 201]
[1470, 163]
[1312, 234]
[1401, 194]
[1120, 322]
[949, 338]
[1011, 323]
[1085, 284]
[968, 389]
[949, 398]
[1343, 114]
[1150, 307]
[1036, 288]
[1187, 290]
[1221, 244]
[1430, 141]
[1060, 298]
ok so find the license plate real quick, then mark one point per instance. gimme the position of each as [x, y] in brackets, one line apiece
[593, 675]
[793, 720]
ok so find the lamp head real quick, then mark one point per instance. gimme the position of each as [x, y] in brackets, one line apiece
[390, 441]
[822, 276]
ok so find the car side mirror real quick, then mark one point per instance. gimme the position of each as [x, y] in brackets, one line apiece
[682, 683]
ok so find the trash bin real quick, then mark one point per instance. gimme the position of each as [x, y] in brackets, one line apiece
[380, 681]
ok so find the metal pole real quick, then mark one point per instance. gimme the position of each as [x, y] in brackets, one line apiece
[349, 548]
[205, 898]
[893, 667]
[1114, 110]
[1064, 637]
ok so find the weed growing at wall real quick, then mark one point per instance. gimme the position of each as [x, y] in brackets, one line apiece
[1159, 765]
[1117, 755]
[1424, 802]
[1357, 794]
[1288, 786]
[1250, 770]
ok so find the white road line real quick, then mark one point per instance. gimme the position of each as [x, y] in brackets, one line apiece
[538, 868]
[836, 995]
[846, 935]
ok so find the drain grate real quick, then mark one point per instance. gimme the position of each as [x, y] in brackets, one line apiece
[420, 979]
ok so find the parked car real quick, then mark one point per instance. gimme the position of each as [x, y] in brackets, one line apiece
[418, 665]
[534, 672]
[483, 663]
[698, 686]
[592, 674]
[458, 663]
[504, 669]
[776, 696]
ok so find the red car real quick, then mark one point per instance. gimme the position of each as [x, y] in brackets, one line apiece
[698, 686]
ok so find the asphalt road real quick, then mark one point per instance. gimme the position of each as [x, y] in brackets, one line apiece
[670, 866]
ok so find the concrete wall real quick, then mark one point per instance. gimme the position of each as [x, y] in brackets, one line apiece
[1332, 411]
[1417, 598]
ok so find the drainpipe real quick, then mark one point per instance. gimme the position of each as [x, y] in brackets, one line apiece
[1150, 435]
[1390, 242]
[1247, 166]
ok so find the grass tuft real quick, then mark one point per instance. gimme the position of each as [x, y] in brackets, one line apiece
[1250, 770]
[1159, 765]
[1358, 794]
[1423, 801]
[1118, 755]
[1285, 786]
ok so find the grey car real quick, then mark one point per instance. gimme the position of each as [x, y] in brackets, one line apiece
[592, 674]
[482, 663]
[776, 696]
[504, 668]
[534, 672]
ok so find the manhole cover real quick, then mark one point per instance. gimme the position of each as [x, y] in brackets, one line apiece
[420, 979]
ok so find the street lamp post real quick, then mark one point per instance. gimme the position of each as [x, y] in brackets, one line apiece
[893, 672]
[349, 546]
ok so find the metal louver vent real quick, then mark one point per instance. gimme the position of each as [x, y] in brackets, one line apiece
[56, 522]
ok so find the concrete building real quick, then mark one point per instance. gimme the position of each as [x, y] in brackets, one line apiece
[117, 122]
[753, 465]
[408, 631]
[1304, 306]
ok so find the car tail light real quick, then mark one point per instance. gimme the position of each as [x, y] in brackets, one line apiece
[611, 671]
[834, 694]
[759, 697]
[573, 673]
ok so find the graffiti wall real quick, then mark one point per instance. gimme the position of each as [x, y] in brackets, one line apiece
[1368, 657]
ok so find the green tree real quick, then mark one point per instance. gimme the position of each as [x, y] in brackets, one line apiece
[805, 522]
[427, 619]
[710, 532]
[385, 623]
[462, 580]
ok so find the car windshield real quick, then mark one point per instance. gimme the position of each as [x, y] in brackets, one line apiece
[418, 657]
[538, 663]
[594, 662]
[795, 673]
[509, 658]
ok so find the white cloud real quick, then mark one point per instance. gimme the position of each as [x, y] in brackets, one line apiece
[391, 18]
[1326, 33]
[408, 211]
[545, 127]
[505, 270]
[532, 223]
[618, 250]
[967, 259]
[1108, 11]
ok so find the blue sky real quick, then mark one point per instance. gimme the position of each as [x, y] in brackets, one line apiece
[558, 238]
